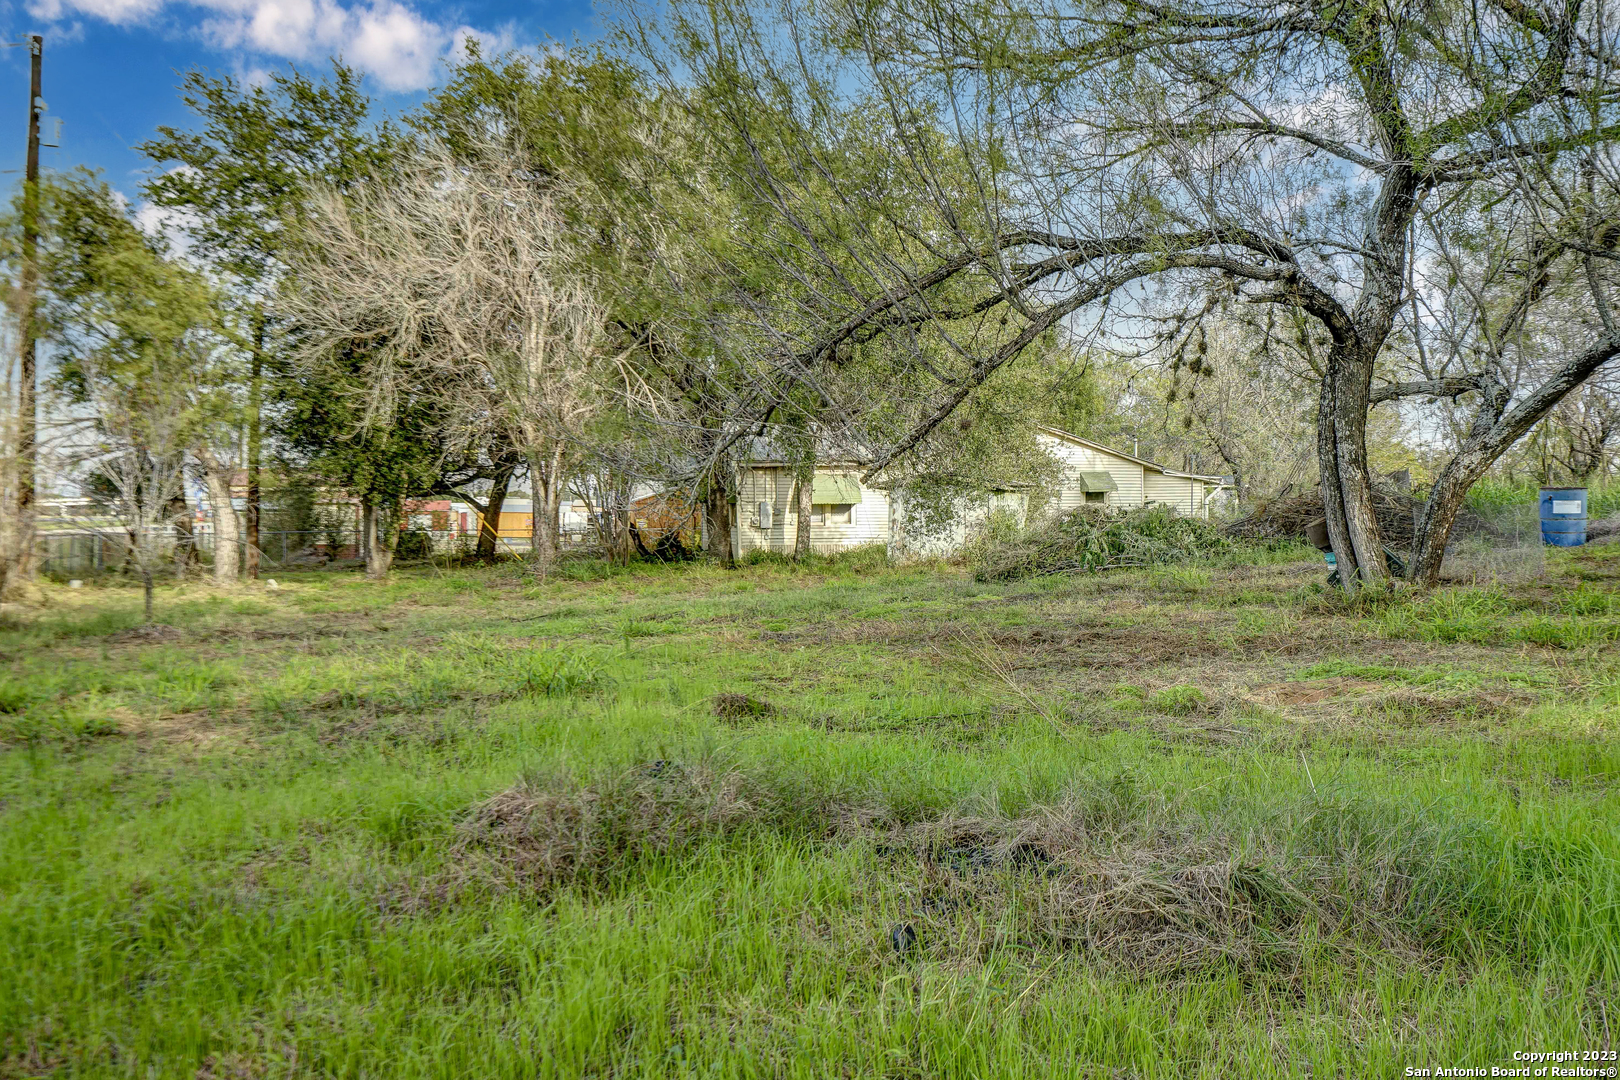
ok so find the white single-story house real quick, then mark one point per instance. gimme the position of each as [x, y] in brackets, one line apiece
[848, 513]
[845, 512]
[1094, 473]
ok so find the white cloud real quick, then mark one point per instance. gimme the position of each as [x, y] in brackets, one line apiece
[397, 44]
[492, 43]
[117, 12]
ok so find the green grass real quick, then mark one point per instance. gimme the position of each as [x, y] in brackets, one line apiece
[834, 819]
[1495, 496]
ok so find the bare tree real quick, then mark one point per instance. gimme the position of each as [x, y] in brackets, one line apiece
[1588, 423]
[143, 427]
[458, 272]
[607, 493]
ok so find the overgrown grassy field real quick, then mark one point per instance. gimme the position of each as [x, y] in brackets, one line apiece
[841, 820]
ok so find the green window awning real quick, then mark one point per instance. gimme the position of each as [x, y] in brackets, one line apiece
[1096, 480]
[835, 489]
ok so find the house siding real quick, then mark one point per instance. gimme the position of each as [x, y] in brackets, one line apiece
[869, 518]
[880, 519]
[1139, 484]
[907, 541]
[1129, 477]
[1182, 493]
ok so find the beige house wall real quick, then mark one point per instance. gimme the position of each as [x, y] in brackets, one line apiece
[773, 485]
[1128, 475]
[1185, 494]
[1138, 484]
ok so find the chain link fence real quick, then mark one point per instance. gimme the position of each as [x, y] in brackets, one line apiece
[77, 548]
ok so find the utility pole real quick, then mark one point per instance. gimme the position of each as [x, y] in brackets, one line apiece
[26, 425]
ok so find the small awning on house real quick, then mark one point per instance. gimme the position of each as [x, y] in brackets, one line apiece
[1096, 480]
[835, 489]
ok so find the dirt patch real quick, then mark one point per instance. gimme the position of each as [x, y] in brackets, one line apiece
[147, 634]
[297, 634]
[231, 1067]
[37, 1053]
[1139, 646]
[1314, 692]
[198, 730]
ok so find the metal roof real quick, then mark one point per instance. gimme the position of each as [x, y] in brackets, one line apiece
[1154, 465]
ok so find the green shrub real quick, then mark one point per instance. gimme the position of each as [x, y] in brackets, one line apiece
[15, 696]
[414, 544]
[1087, 540]
[862, 558]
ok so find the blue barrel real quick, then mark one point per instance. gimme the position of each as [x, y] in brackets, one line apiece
[1563, 516]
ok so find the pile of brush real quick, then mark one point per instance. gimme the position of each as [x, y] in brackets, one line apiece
[1089, 539]
[1288, 518]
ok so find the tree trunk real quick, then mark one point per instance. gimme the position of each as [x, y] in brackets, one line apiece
[254, 446]
[380, 540]
[362, 542]
[717, 512]
[614, 524]
[146, 590]
[1341, 447]
[489, 522]
[803, 496]
[1495, 428]
[227, 534]
[185, 547]
[1439, 514]
[545, 477]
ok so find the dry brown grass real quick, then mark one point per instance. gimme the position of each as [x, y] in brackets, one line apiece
[1409, 707]
[1151, 900]
[190, 730]
[554, 831]
[1124, 880]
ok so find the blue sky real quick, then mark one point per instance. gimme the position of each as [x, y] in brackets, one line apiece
[111, 66]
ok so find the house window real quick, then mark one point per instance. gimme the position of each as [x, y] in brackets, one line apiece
[1096, 496]
[833, 513]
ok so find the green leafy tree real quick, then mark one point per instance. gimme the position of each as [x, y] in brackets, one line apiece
[142, 347]
[234, 181]
[381, 464]
[1133, 172]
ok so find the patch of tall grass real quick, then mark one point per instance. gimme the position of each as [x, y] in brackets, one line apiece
[1491, 497]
